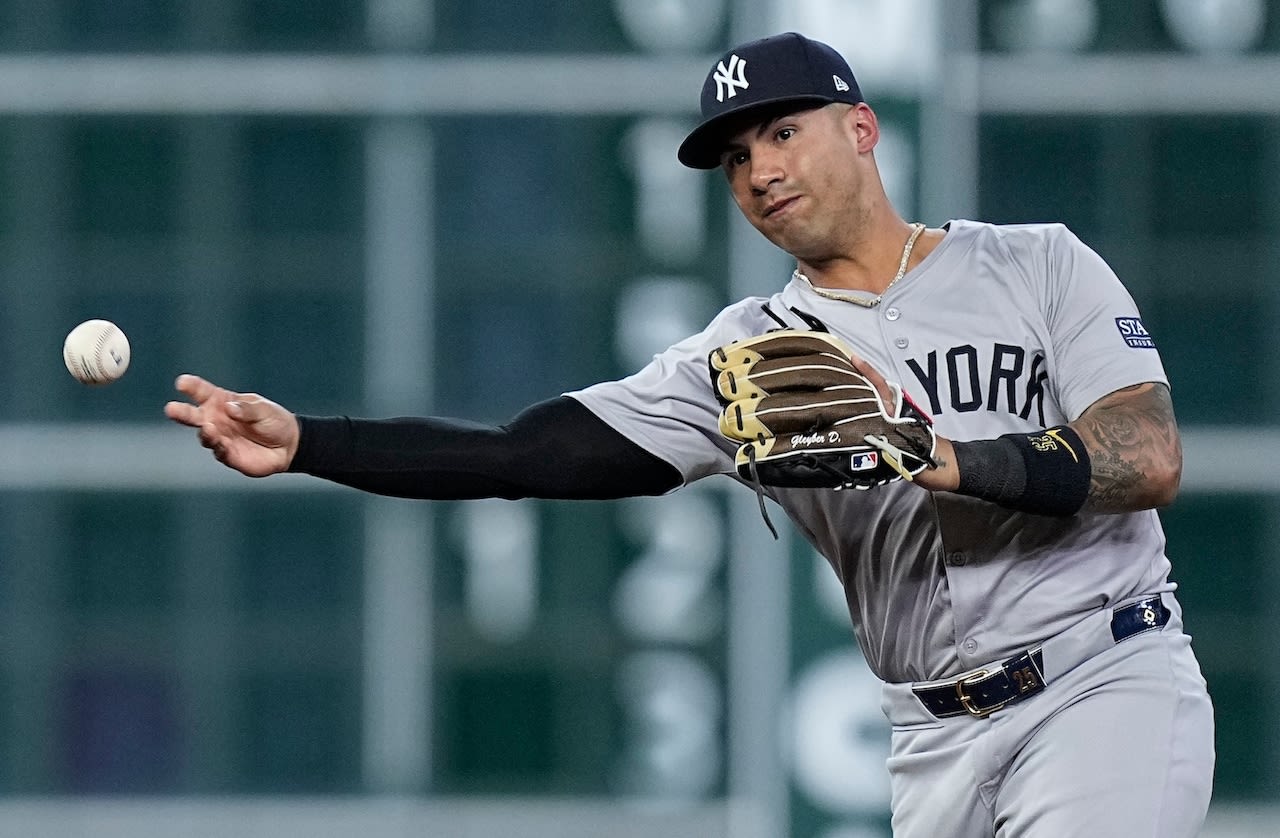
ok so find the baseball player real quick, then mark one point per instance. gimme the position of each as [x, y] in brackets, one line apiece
[969, 422]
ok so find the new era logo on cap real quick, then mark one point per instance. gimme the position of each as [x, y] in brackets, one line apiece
[775, 72]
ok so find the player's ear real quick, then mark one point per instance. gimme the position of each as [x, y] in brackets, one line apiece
[863, 126]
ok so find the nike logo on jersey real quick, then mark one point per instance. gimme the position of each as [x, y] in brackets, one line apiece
[1012, 381]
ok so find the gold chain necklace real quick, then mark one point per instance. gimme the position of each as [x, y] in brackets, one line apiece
[916, 230]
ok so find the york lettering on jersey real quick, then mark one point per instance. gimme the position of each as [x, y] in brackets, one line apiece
[962, 380]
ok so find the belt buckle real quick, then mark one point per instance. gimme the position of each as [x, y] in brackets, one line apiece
[966, 700]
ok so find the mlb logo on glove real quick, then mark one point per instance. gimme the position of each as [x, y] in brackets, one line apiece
[866, 461]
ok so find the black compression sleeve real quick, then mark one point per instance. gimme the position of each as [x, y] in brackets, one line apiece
[554, 449]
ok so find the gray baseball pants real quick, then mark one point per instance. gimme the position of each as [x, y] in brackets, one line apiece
[1120, 743]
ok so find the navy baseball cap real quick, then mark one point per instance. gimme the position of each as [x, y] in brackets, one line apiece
[780, 71]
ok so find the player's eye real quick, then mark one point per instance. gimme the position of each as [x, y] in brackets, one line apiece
[785, 133]
[733, 159]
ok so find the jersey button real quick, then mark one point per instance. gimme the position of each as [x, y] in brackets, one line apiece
[892, 314]
[958, 559]
[971, 646]
[902, 343]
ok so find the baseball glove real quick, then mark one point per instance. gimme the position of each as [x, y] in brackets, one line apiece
[806, 417]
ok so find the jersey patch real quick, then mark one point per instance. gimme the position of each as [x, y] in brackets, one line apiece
[1134, 333]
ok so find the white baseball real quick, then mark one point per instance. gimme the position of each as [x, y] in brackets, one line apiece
[96, 352]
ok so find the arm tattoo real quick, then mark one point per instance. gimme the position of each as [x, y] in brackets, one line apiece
[1135, 449]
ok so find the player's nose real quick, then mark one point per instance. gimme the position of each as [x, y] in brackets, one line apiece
[762, 180]
[766, 170]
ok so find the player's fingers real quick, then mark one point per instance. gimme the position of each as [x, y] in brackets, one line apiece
[210, 437]
[217, 442]
[183, 413]
[250, 408]
[196, 388]
[877, 380]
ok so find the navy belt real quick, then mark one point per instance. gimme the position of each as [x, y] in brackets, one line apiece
[983, 692]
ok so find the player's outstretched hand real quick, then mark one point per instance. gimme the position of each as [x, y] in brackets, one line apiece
[253, 435]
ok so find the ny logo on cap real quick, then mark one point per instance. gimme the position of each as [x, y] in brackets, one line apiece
[729, 79]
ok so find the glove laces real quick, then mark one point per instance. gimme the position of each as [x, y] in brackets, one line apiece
[759, 487]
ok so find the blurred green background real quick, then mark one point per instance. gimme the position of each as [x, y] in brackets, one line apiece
[385, 207]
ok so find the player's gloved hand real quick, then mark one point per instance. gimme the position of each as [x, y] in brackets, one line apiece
[807, 417]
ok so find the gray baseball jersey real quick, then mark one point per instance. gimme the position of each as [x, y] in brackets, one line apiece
[999, 329]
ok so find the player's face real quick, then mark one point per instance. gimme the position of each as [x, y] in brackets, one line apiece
[797, 178]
